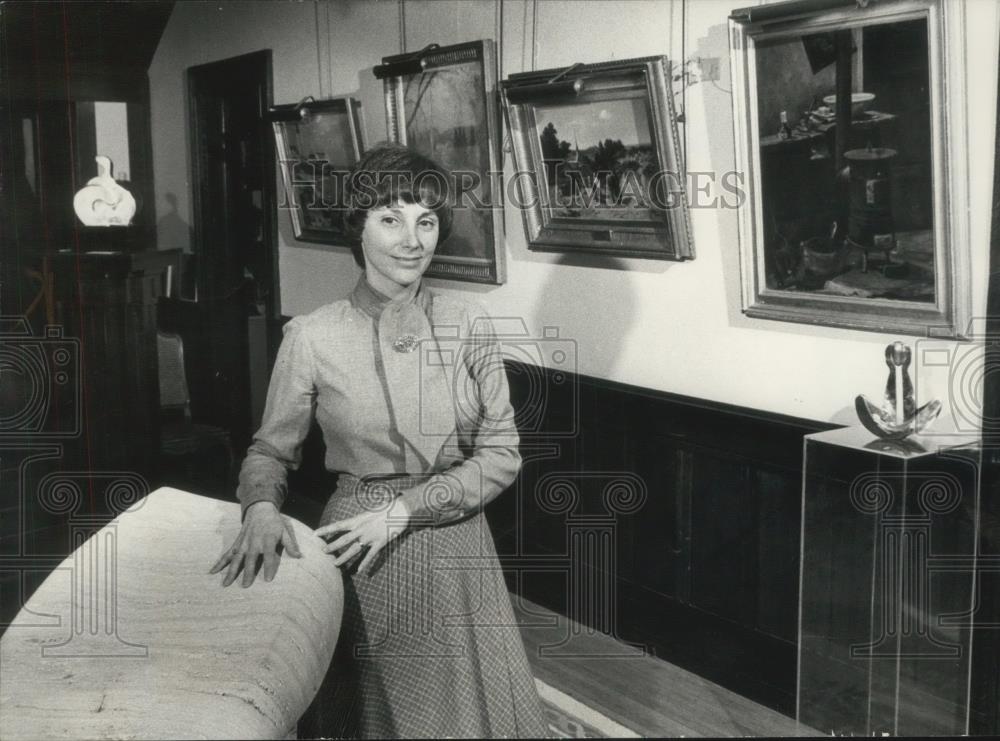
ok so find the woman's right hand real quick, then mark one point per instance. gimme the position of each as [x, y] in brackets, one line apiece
[263, 532]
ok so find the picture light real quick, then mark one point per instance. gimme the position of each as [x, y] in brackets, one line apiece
[291, 112]
[401, 65]
[519, 92]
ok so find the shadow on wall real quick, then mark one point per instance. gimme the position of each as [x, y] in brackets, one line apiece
[171, 230]
[605, 308]
[370, 91]
[847, 416]
[717, 107]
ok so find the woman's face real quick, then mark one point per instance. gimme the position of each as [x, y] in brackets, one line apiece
[398, 243]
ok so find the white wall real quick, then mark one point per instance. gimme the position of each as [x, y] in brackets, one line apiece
[111, 128]
[670, 326]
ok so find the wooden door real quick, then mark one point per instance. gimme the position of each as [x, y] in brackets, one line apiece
[235, 231]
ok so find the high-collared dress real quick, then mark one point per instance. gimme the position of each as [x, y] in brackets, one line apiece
[413, 401]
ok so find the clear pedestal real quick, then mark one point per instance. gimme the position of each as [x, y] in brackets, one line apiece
[886, 601]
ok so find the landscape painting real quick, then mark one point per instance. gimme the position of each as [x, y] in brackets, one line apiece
[600, 168]
[599, 158]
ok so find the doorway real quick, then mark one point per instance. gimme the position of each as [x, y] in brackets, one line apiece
[235, 231]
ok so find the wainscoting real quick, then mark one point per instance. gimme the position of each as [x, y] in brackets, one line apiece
[666, 522]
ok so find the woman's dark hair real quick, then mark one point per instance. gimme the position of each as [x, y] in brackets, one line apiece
[388, 174]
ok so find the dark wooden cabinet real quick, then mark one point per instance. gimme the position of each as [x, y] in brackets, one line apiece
[106, 302]
[79, 410]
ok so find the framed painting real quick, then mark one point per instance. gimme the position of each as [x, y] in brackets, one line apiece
[442, 102]
[599, 165]
[318, 141]
[850, 127]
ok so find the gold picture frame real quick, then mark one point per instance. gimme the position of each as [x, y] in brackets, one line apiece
[856, 206]
[442, 102]
[317, 143]
[599, 162]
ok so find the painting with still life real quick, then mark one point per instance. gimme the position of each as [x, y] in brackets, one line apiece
[857, 222]
[599, 159]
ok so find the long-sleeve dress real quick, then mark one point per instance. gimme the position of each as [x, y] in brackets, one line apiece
[412, 401]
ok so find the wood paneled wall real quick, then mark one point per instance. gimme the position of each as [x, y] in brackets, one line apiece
[669, 522]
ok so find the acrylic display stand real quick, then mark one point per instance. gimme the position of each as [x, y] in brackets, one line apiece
[887, 583]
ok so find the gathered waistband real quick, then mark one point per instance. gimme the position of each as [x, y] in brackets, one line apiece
[395, 481]
[376, 492]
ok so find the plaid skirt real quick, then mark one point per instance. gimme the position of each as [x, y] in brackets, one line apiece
[429, 646]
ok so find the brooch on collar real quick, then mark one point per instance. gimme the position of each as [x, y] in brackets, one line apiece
[405, 343]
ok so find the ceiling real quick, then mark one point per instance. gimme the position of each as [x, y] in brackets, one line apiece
[80, 50]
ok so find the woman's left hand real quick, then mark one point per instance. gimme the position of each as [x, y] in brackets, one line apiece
[369, 530]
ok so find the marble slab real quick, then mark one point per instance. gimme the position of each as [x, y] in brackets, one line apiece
[131, 637]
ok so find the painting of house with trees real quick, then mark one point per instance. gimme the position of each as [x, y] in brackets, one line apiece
[599, 158]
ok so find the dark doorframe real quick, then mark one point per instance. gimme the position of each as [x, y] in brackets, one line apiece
[230, 138]
[233, 180]
[985, 700]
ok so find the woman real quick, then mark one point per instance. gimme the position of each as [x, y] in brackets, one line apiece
[409, 390]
